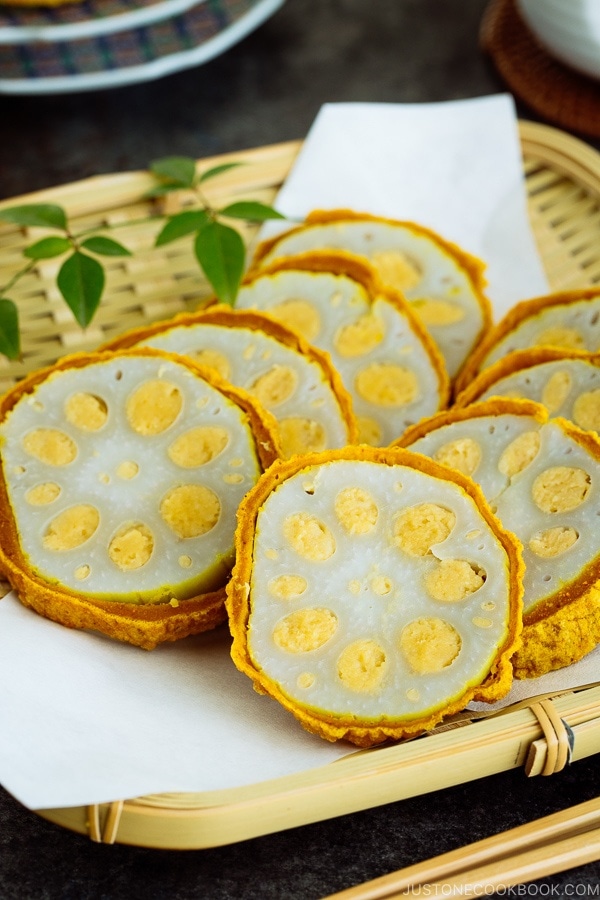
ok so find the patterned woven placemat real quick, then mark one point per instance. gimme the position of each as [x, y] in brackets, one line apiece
[124, 49]
[67, 14]
[554, 91]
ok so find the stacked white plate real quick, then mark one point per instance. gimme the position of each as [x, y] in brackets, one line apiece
[96, 44]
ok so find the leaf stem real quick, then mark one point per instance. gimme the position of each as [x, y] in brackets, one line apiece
[208, 209]
[17, 276]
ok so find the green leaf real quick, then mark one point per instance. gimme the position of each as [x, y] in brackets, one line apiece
[105, 246]
[221, 253]
[181, 224]
[10, 342]
[251, 210]
[218, 170]
[81, 282]
[47, 248]
[161, 190]
[45, 215]
[181, 170]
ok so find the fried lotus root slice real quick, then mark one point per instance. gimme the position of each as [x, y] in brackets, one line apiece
[292, 379]
[388, 363]
[568, 320]
[542, 478]
[121, 478]
[374, 593]
[444, 285]
[566, 382]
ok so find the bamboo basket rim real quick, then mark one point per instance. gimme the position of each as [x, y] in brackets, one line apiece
[101, 191]
[526, 734]
[510, 739]
[566, 153]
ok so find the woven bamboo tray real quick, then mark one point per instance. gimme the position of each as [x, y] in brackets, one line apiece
[542, 735]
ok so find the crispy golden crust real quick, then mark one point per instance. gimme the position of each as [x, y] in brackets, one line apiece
[220, 314]
[144, 625]
[513, 318]
[359, 270]
[517, 361]
[562, 638]
[238, 601]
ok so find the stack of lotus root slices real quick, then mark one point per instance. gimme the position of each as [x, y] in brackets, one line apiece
[322, 466]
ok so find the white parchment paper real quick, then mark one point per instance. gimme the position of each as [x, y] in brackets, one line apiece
[87, 720]
[84, 719]
[455, 167]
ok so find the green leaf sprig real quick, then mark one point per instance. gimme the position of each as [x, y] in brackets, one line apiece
[80, 278]
[218, 248]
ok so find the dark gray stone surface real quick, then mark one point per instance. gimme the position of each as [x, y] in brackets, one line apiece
[40, 861]
[266, 89]
[269, 89]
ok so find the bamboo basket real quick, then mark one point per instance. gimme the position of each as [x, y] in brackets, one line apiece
[542, 735]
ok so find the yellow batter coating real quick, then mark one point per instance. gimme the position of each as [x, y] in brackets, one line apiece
[561, 638]
[142, 624]
[428, 643]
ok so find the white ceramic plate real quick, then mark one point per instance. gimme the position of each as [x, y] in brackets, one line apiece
[131, 56]
[21, 25]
